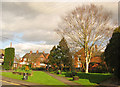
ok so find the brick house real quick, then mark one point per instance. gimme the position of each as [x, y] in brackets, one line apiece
[38, 59]
[16, 63]
[79, 58]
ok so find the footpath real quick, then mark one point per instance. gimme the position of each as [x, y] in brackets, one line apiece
[64, 80]
[73, 84]
[23, 83]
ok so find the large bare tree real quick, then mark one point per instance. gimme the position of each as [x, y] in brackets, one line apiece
[87, 26]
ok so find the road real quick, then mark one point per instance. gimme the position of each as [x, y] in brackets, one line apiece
[10, 84]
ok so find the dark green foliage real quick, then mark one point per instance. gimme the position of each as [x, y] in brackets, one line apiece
[9, 58]
[53, 57]
[60, 56]
[30, 66]
[66, 55]
[23, 68]
[112, 53]
[52, 54]
[101, 68]
[41, 68]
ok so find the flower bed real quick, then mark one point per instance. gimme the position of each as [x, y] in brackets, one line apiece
[21, 72]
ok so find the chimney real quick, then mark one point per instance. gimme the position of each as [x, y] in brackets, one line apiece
[43, 52]
[10, 44]
[96, 48]
[30, 52]
[37, 51]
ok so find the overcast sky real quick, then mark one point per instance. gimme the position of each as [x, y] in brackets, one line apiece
[31, 25]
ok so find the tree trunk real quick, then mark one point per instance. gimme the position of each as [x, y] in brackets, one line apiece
[87, 66]
[70, 69]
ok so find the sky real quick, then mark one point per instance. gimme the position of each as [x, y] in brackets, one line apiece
[31, 25]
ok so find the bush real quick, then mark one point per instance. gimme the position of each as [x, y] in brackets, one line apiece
[98, 69]
[6, 67]
[37, 68]
[29, 66]
[50, 70]
[112, 52]
[66, 69]
[70, 74]
[23, 71]
[22, 68]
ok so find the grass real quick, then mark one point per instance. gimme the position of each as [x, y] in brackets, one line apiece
[94, 78]
[38, 77]
[62, 75]
[88, 79]
[83, 81]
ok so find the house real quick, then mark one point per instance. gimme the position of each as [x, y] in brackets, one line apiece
[2, 52]
[79, 58]
[38, 59]
[16, 63]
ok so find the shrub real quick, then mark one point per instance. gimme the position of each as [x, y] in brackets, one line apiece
[70, 74]
[66, 69]
[38, 68]
[100, 68]
[112, 52]
[50, 70]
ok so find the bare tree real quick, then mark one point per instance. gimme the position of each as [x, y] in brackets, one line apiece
[87, 26]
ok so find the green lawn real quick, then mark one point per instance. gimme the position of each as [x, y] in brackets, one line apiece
[92, 78]
[88, 79]
[38, 77]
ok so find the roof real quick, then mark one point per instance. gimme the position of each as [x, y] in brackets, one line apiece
[16, 60]
[97, 54]
[96, 60]
[34, 56]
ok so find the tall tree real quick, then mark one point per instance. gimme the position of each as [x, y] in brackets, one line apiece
[112, 52]
[9, 58]
[87, 26]
[55, 57]
[51, 57]
[66, 55]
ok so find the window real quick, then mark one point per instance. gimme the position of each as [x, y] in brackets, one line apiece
[29, 59]
[41, 59]
[3, 57]
[25, 59]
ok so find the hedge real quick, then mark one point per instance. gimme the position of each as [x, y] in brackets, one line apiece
[9, 58]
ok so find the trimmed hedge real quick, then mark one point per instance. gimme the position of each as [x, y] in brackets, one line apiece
[9, 58]
[41, 68]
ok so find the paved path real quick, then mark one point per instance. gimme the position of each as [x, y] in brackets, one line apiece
[64, 80]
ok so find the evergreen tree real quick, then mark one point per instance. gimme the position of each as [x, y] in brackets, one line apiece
[9, 58]
[66, 55]
[55, 57]
[112, 52]
[51, 57]
[60, 56]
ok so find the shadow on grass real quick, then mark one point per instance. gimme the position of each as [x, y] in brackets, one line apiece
[92, 77]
